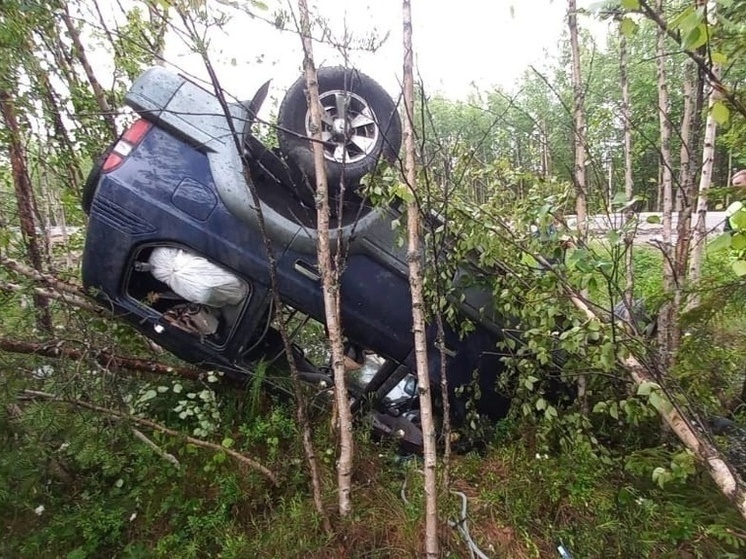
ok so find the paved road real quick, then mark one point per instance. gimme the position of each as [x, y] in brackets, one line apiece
[647, 231]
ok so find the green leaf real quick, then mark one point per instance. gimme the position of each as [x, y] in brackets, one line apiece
[738, 242]
[626, 495]
[653, 219]
[227, 442]
[614, 410]
[660, 402]
[739, 267]
[679, 19]
[696, 38]
[661, 476]
[614, 237]
[620, 198]
[541, 404]
[628, 27]
[646, 388]
[738, 219]
[719, 58]
[720, 112]
[630, 4]
[719, 243]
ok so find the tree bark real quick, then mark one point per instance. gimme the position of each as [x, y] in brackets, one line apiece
[104, 357]
[25, 200]
[329, 274]
[667, 316]
[684, 200]
[685, 191]
[579, 174]
[301, 413]
[414, 258]
[61, 135]
[700, 229]
[629, 185]
[80, 54]
[700, 60]
[681, 425]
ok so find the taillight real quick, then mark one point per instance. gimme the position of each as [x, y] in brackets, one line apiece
[126, 144]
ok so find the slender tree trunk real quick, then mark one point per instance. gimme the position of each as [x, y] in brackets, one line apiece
[300, 402]
[414, 257]
[579, 175]
[53, 112]
[158, 24]
[708, 159]
[545, 165]
[667, 316]
[682, 425]
[80, 54]
[329, 274]
[628, 178]
[25, 200]
[684, 200]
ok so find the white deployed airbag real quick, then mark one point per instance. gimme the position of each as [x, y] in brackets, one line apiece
[195, 278]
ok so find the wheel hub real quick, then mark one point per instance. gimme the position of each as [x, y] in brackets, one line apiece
[340, 129]
[349, 129]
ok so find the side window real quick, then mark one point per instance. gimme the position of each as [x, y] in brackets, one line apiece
[189, 292]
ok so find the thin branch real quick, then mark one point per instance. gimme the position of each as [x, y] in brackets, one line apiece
[35, 394]
[49, 294]
[300, 404]
[698, 59]
[105, 358]
[167, 456]
[80, 53]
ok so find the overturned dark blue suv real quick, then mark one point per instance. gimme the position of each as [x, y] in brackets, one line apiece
[174, 245]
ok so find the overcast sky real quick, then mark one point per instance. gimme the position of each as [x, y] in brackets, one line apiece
[457, 43]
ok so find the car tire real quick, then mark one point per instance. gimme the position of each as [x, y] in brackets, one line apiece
[361, 126]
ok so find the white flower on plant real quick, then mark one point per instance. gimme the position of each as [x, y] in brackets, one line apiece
[133, 516]
[39, 510]
[43, 372]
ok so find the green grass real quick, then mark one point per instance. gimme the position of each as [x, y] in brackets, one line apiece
[588, 484]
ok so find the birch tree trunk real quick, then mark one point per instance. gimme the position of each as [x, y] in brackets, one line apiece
[708, 159]
[329, 274]
[666, 317]
[685, 194]
[301, 413]
[628, 178]
[681, 424]
[414, 258]
[579, 175]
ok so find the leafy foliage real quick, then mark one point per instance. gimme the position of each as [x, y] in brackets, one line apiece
[497, 168]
